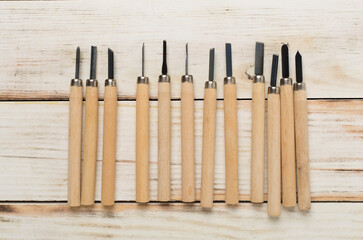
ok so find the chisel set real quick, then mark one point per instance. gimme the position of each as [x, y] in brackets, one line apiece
[287, 135]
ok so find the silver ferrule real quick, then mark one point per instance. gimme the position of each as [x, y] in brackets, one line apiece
[229, 80]
[299, 86]
[142, 80]
[258, 79]
[210, 84]
[92, 83]
[273, 90]
[164, 78]
[187, 78]
[285, 81]
[110, 83]
[76, 83]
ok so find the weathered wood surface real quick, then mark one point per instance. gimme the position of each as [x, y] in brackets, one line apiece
[34, 150]
[180, 221]
[38, 42]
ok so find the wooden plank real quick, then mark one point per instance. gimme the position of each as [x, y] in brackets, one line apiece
[177, 221]
[38, 41]
[34, 151]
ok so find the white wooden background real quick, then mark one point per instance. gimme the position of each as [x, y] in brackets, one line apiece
[37, 54]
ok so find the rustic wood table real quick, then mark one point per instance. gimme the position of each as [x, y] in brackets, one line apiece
[37, 55]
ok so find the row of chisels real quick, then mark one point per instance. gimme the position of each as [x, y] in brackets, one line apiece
[287, 135]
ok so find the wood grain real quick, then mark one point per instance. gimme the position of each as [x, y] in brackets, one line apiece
[142, 146]
[109, 146]
[39, 39]
[164, 141]
[273, 155]
[302, 150]
[74, 146]
[231, 143]
[34, 152]
[187, 142]
[288, 167]
[208, 147]
[90, 146]
[130, 221]
[258, 142]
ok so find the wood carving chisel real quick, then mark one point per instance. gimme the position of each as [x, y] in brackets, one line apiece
[287, 133]
[142, 135]
[258, 128]
[230, 131]
[75, 138]
[90, 135]
[109, 136]
[301, 137]
[209, 133]
[187, 134]
[273, 144]
[164, 132]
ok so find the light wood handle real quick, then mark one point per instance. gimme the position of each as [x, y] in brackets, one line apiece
[288, 147]
[109, 146]
[302, 150]
[164, 139]
[273, 156]
[187, 142]
[208, 147]
[90, 147]
[142, 143]
[75, 146]
[258, 142]
[231, 143]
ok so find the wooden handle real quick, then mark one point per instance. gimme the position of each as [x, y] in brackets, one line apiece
[90, 147]
[231, 143]
[187, 142]
[258, 142]
[164, 139]
[208, 147]
[142, 143]
[273, 156]
[302, 150]
[75, 146]
[288, 147]
[109, 146]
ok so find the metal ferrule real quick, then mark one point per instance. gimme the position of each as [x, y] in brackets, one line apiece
[92, 83]
[110, 83]
[273, 90]
[258, 79]
[76, 83]
[285, 81]
[142, 80]
[229, 80]
[299, 86]
[210, 84]
[164, 78]
[187, 78]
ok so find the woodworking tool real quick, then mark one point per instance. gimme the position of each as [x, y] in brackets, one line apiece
[90, 135]
[273, 144]
[301, 137]
[164, 132]
[187, 134]
[75, 138]
[109, 136]
[209, 132]
[230, 131]
[287, 133]
[142, 135]
[258, 127]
